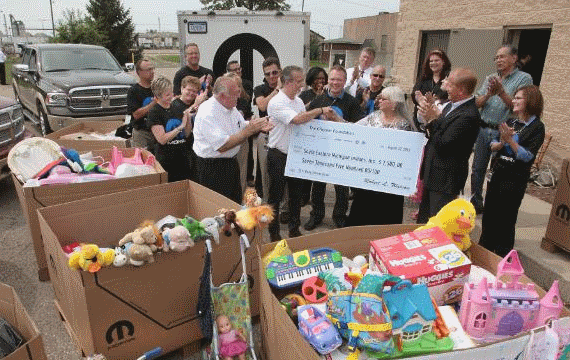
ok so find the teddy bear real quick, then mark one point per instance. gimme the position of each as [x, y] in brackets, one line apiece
[140, 245]
[177, 239]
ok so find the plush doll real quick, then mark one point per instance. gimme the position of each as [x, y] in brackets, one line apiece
[195, 228]
[250, 198]
[159, 240]
[457, 220]
[230, 220]
[252, 217]
[90, 258]
[121, 258]
[177, 239]
[142, 246]
[213, 225]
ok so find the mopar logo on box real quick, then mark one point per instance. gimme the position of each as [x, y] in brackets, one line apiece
[119, 333]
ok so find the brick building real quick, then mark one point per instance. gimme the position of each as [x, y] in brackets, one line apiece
[471, 32]
[340, 51]
[377, 31]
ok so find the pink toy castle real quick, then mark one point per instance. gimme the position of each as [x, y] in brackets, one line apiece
[493, 311]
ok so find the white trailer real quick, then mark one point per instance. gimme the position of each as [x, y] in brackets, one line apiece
[246, 36]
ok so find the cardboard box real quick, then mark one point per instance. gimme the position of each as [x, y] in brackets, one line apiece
[33, 198]
[558, 229]
[282, 340]
[123, 312]
[84, 145]
[426, 257]
[12, 310]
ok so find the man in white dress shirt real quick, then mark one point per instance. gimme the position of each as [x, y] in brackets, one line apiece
[219, 129]
[286, 110]
[358, 77]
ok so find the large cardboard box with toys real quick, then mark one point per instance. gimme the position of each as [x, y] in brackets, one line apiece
[282, 339]
[90, 135]
[122, 312]
[12, 311]
[34, 198]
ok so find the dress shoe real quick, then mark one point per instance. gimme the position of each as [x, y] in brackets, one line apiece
[275, 237]
[284, 217]
[312, 223]
[294, 233]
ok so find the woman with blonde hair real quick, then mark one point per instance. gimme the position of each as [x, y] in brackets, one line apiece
[374, 207]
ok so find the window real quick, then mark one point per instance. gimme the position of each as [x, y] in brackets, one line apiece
[384, 43]
[480, 321]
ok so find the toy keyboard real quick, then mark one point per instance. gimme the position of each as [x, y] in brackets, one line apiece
[292, 270]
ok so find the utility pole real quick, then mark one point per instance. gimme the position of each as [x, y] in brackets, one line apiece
[159, 24]
[52, 23]
[303, 6]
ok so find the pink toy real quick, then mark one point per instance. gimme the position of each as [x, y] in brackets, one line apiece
[62, 175]
[232, 343]
[493, 311]
[118, 159]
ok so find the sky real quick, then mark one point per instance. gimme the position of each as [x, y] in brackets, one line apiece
[327, 16]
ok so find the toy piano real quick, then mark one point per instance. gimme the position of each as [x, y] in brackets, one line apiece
[291, 270]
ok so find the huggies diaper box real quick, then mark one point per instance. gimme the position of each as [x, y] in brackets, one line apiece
[427, 257]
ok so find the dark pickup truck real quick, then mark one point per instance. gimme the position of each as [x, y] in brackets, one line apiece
[60, 84]
[11, 131]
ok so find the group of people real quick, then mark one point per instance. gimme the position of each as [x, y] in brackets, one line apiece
[204, 130]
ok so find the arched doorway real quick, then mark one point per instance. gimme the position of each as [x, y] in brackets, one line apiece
[245, 43]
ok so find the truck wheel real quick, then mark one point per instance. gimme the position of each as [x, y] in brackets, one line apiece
[44, 123]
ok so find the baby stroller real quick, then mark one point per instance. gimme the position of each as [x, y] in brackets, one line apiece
[229, 300]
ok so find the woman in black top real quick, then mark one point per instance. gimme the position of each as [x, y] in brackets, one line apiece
[316, 80]
[517, 146]
[435, 68]
[170, 132]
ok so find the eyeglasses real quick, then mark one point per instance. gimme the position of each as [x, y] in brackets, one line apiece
[378, 76]
[271, 73]
[236, 69]
[518, 98]
[149, 69]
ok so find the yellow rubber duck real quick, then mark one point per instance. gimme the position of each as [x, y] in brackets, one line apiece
[457, 220]
[90, 258]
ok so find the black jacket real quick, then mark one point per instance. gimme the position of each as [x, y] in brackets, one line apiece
[450, 142]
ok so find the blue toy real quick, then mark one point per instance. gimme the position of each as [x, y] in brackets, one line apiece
[318, 329]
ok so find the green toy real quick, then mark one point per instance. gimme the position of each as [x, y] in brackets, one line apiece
[196, 229]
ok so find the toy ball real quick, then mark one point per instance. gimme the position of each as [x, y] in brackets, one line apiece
[314, 290]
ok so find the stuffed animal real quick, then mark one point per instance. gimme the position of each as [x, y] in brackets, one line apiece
[90, 258]
[213, 225]
[121, 258]
[196, 229]
[230, 220]
[177, 239]
[159, 240]
[252, 217]
[457, 220]
[143, 245]
[250, 198]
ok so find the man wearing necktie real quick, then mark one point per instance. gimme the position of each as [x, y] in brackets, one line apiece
[451, 134]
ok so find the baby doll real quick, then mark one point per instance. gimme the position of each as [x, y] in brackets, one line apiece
[231, 342]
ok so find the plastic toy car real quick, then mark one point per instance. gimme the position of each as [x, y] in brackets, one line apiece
[318, 329]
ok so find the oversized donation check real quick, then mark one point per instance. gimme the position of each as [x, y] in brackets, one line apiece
[358, 156]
